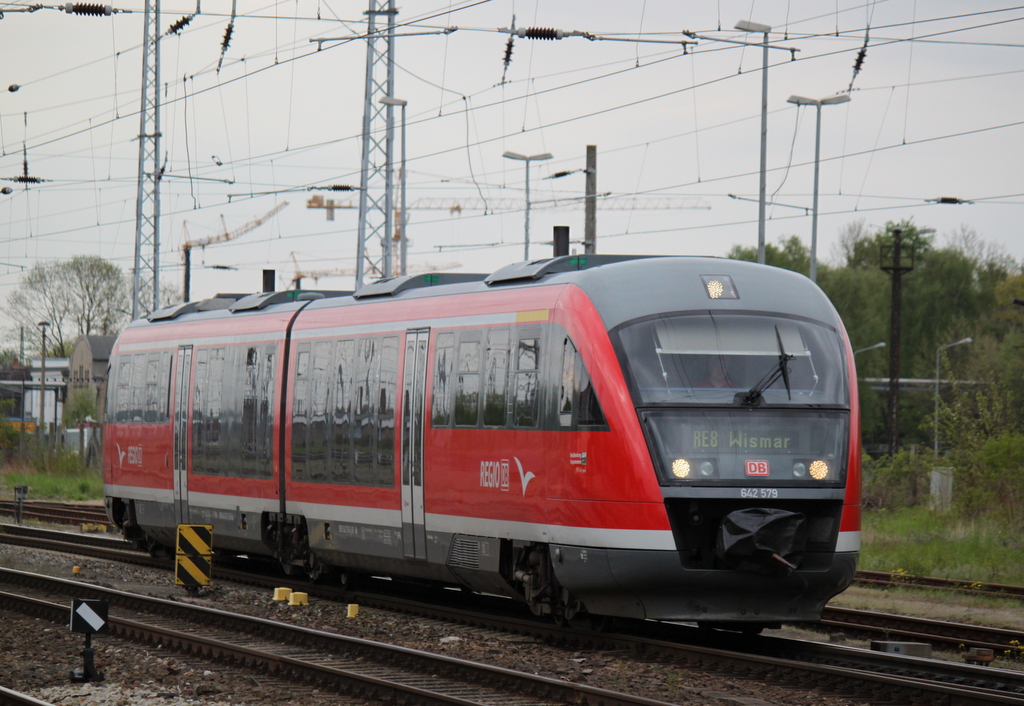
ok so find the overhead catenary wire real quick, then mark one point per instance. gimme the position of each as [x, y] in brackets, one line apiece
[252, 162]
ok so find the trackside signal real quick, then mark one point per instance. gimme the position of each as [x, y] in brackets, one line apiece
[194, 556]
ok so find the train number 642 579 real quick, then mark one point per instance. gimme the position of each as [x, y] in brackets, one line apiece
[759, 492]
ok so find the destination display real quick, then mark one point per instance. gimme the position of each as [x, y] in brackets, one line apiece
[739, 447]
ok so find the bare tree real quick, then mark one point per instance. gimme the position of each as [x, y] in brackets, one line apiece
[85, 295]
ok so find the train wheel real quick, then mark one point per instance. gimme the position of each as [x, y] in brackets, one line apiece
[316, 570]
[349, 580]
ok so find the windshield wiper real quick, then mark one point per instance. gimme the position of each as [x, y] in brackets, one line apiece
[753, 396]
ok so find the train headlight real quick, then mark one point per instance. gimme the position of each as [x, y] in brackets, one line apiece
[681, 468]
[707, 469]
[799, 470]
[719, 287]
[819, 470]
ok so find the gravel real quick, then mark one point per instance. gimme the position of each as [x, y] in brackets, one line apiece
[36, 656]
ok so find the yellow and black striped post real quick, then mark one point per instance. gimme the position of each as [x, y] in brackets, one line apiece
[194, 555]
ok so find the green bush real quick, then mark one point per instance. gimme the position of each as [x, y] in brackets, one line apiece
[898, 481]
[989, 481]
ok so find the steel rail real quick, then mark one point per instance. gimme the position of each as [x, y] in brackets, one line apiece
[9, 697]
[871, 662]
[896, 579]
[438, 667]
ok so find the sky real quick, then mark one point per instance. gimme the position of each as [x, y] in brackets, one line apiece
[936, 111]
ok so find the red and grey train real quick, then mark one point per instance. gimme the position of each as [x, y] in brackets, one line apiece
[669, 438]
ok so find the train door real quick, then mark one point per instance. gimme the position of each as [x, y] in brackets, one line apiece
[181, 433]
[414, 535]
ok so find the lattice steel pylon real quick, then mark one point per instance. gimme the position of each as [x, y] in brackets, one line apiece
[146, 272]
[375, 185]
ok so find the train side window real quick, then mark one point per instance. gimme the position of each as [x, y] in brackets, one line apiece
[441, 399]
[386, 411]
[496, 377]
[367, 382]
[577, 392]
[165, 387]
[319, 388]
[467, 394]
[590, 412]
[341, 448]
[567, 391]
[257, 412]
[250, 407]
[138, 388]
[526, 382]
[198, 411]
[124, 389]
[214, 413]
[300, 413]
[152, 408]
[267, 413]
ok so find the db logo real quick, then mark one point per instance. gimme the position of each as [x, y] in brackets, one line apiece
[757, 468]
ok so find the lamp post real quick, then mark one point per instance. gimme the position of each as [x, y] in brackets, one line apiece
[42, 383]
[747, 26]
[938, 351]
[527, 159]
[831, 100]
[403, 241]
[880, 344]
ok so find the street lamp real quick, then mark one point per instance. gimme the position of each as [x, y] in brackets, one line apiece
[42, 384]
[880, 344]
[524, 158]
[831, 100]
[748, 26]
[403, 241]
[937, 352]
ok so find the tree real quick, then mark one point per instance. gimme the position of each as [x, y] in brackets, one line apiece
[80, 405]
[85, 295]
[789, 254]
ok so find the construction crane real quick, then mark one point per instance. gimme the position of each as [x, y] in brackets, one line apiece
[227, 235]
[455, 206]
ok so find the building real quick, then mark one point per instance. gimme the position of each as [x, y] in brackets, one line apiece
[88, 366]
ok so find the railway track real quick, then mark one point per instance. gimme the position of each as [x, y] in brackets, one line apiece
[894, 579]
[772, 660]
[9, 697]
[349, 665]
[94, 516]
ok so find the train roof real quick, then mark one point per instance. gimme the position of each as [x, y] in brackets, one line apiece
[622, 288]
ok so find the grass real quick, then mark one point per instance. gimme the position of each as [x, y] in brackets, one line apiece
[53, 476]
[923, 542]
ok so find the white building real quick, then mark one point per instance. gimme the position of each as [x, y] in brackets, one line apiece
[56, 388]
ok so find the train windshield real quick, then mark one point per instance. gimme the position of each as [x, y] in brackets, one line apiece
[743, 359]
[733, 447]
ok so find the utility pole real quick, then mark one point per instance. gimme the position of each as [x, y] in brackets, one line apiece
[146, 271]
[590, 205]
[893, 263]
[375, 190]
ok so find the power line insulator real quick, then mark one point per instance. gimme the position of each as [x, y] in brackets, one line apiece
[81, 8]
[180, 24]
[341, 187]
[539, 33]
[508, 51]
[227, 36]
[860, 59]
